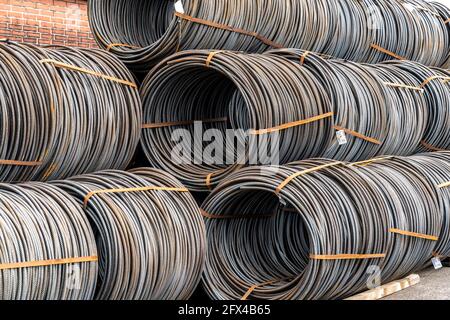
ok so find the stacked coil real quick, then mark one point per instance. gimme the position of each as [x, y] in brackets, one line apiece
[44, 233]
[320, 229]
[142, 33]
[149, 233]
[64, 112]
[394, 108]
[444, 11]
[250, 93]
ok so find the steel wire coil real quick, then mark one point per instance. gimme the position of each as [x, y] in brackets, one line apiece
[437, 95]
[151, 243]
[436, 168]
[445, 14]
[393, 108]
[39, 223]
[142, 33]
[65, 121]
[260, 243]
[252, 92]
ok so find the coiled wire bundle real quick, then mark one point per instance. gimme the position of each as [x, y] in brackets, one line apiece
[149, 232]
[436, 168]
[318, 229]
[64, 112]
[255, 95]
[393, 108]
[142, 33]
[48, 249]
[445, 15]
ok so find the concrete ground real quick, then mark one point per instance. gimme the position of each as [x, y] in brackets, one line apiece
[434, 285]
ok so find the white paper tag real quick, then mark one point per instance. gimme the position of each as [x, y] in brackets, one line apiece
[437, 263]
[341, 137]
[179, 7]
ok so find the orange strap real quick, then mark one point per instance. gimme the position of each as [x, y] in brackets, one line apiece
[292, 124]
[357, 135]
[139, 189]
[254, 287]
[444, 185]
[20, 163]
[45, 263]
[430, 147]
[211, 56]
[112, 45]
[404, 86]
[367, 162]
[302, 173]
[180, 123]
[447, 21]
[413, 234]
[51, 169]
[389, 53]
[60, 64]
[427, 81]
[348, 256]
[303, 57]
[228, 28]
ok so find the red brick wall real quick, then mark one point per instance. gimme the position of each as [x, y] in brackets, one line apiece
[62, 22]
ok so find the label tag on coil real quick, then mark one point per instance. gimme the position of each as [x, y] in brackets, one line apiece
[179, 7]
[341, 137]
[437, 263]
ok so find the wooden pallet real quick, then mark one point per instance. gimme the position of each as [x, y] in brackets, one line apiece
[388, 289]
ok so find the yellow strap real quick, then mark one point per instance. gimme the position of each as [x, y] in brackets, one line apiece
[211, 56]
[367, 162]
[292, 124]
[20, 163]
[180, 123]
[444, 185]
[404, 86]
[430, 147]
[389, 53]
[112, 45]
[228, 28]
[427, 81]
[302, 173]
[45, 263]
[60, 64]
[348, 256]
[413, 234]
[357, 135]
[303, 57]
[139, 189]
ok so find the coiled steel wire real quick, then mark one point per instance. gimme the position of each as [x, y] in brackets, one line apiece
[39, 223]
[61, 122]
[260, 241]
[393, 108]
[445, 15]
[436, 168]
[142, 33]
[436, 84]
[151, 243]
[367, 99]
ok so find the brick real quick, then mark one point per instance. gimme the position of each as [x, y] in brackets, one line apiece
[44, 22]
